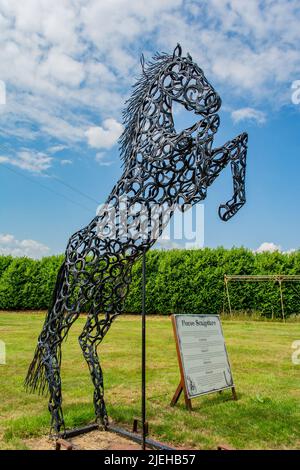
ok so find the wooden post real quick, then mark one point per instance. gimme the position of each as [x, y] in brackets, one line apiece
[177, 394]
[181, 387]
[63, 443]
[234, 395]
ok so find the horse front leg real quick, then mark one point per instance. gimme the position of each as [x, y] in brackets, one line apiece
[235, 152]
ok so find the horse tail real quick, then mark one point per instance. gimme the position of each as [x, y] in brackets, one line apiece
[36, 379]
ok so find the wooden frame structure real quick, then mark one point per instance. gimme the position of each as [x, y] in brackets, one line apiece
[280, 278]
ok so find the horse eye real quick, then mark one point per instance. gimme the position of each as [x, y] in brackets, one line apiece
[192, 94]
[167, 81]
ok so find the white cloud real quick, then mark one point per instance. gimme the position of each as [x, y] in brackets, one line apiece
[101, 159]
[2, 93]
[272, 248]
[65, 62]
[168, 245]
[290, 251]
[35, 162]
[106, 136]
[56, 148]
[268, 246]
[63, 68]
[249, 114]
[9, 245]
[66, 162]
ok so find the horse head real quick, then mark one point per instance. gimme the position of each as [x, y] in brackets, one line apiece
[166, 166]
[184, 81]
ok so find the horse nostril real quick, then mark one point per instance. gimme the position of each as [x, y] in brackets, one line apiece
[213, 101]
[211, 98]
[218, 102]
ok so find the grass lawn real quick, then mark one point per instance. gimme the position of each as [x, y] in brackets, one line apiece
[267, 414]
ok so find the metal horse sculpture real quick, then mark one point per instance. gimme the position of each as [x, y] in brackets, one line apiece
[162, 167]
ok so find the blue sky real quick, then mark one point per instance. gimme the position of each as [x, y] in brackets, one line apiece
[68, 67]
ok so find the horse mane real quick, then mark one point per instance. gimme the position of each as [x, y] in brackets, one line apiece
[141, 88]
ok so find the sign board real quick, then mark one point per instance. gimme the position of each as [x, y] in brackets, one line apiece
[202, 356]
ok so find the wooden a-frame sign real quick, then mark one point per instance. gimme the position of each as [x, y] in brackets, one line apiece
[202, 357]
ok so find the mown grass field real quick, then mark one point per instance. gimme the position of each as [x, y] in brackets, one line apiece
[266, 416]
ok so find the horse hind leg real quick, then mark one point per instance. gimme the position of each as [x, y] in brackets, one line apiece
[44, 373]
[52, 373]
[44, 369]
[89, 341]
[51, 360]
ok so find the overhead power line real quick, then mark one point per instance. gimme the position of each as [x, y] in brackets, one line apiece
[13, 170]
[76, 190]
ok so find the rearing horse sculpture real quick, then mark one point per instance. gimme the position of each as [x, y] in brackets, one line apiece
[161, 167]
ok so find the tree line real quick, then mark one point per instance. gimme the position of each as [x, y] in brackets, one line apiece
[178, 281]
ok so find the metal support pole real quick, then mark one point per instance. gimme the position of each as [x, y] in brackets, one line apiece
[281, 300]
[228, 296]
[144, 351]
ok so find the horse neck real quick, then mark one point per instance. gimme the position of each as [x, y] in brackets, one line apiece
[138, 162]
[161, 122]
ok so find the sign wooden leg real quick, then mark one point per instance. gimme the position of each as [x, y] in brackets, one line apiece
[188, 402]
[234, 395]
[177, 394]
[179, 389]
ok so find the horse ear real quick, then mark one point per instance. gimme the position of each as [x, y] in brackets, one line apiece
[177, 51]
[189, 56]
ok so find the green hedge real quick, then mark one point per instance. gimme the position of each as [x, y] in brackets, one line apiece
[189, 281]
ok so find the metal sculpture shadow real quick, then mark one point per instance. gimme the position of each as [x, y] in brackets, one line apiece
[162, 168]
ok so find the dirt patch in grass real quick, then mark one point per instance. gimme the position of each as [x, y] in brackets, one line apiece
[94, 440]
